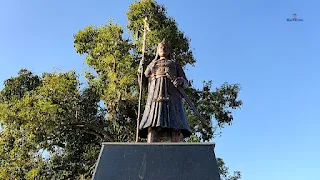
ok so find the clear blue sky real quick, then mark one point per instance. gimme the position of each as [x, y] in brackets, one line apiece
[275, 136]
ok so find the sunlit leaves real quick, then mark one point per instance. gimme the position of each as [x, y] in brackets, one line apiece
[224, 171]
[161, 26]
[49, 116]
[108, 54]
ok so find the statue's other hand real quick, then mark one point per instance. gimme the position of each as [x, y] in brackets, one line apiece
[178, 81]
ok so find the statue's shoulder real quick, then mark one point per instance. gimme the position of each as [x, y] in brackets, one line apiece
[176, 62]
[172, 61]
[169, 61]
[152, 63]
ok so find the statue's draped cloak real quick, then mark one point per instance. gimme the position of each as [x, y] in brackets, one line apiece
[164, 107]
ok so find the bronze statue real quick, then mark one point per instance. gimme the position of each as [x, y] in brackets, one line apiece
[164, 117]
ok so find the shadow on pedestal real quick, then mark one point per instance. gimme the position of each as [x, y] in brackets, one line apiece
[157, 161]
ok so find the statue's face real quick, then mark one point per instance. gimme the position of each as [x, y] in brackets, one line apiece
[163, 50]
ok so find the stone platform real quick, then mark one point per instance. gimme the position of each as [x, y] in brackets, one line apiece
[157, 161]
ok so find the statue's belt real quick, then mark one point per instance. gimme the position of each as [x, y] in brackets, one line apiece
[161, 99]
[156, 76]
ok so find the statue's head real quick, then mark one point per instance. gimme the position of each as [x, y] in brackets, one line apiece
[164, 49]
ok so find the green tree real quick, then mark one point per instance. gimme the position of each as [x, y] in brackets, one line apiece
[51, 114]
[224, 171]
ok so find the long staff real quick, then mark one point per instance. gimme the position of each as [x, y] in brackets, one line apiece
[146, 27]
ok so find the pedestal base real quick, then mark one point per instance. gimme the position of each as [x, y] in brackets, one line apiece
[165, 161]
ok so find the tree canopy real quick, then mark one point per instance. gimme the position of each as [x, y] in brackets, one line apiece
[53, 128]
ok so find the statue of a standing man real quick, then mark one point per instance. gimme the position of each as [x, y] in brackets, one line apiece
[164, 118]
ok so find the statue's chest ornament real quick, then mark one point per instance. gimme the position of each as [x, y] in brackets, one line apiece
[162, 67]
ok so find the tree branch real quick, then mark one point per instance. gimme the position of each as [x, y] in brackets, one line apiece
[94, 133]
[106, 136]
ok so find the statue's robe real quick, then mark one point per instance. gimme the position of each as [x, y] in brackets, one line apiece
[164, 107]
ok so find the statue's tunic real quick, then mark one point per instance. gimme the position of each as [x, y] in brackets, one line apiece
[164, 107]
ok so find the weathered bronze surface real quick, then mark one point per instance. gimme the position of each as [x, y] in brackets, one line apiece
[164, 118]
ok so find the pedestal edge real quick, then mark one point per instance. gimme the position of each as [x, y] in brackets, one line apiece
[160, 143]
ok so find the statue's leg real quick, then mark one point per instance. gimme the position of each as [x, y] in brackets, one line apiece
[176, 135]
[164, 135]
[152, 135]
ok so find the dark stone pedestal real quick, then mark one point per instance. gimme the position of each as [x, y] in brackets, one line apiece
[157, 161]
